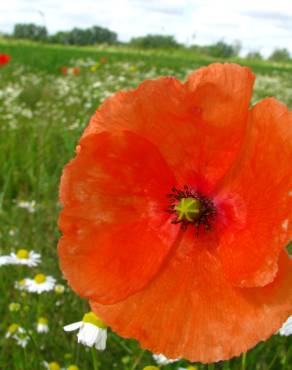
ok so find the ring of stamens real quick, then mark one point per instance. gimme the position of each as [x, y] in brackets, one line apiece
[191, 207]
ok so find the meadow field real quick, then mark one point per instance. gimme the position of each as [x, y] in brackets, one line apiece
[43, 111]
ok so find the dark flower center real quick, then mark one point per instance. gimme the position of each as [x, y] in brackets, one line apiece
[191, 207]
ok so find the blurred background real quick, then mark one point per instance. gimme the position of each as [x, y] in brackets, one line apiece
[226, 28]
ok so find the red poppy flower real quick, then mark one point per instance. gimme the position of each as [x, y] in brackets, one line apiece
[103, 59]
[4, 59]
[75, 71]
[177, 211]
[64, 70]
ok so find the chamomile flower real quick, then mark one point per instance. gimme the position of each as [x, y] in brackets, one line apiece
[163, 360]
[25, 257]
[72, 367]
[59, 289]
[39, 284]
[151, 367]
[190, 367]
[17, 333]
[92, 331]
[30, 206]
[5, 260]
[42, 325]
[286, 328]
[52, 365]
[20, 284]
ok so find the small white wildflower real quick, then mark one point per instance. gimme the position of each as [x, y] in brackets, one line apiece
[286, 328]
[42, 325]
[30, 206]
[163, 360]
[39, 284]
[20, 284]
[17, 333]
[5, 260]
[25, 257]
[92, 331]
[12, 232]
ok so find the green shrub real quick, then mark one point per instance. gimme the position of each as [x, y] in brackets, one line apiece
[154, 41]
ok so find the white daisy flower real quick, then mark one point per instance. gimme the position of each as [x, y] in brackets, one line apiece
[39, 284]
[92, 331]
[163, 360]
[17, 333]
[42, 325]
[5, 260]
[25, 257]
[286, 328]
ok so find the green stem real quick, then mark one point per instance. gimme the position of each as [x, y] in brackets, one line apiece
[139, 358]
[94, 358]
[243, 361]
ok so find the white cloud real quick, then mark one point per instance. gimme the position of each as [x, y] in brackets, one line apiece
[258, 25]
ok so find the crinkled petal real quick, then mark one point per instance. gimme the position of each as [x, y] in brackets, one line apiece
[116, 232]
[198, 126]
[262, 181]
[191, 310]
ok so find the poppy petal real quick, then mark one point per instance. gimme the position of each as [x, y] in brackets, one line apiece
[222, 94]
[116, 233]
[198, 126]
[191, 310]
[262, 180]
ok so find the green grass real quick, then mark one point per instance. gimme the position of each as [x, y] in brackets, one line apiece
[42, 115]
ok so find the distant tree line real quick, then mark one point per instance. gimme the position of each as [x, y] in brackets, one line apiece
[77, 36]
[99, 35]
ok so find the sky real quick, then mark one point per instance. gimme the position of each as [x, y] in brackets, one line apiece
[260, 25]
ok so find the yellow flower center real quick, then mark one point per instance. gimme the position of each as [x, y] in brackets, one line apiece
[73, 367]
[40, 278]
[54, 366]
[13, 328]
[150, 368]
[188, 209]
[192, 367]
[43, 321]
[91, 318]
[21, 282]
[22, 254]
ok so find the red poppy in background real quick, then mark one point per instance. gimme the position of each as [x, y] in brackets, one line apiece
[177, 211]
[4, 59]
[103, 59]
[64, 70]
[75, 71]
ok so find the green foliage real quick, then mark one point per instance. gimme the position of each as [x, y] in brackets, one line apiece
[223, 50]
[154, 42]
[254, 55]
[30, 31]
[88, 36]
[280, 55]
